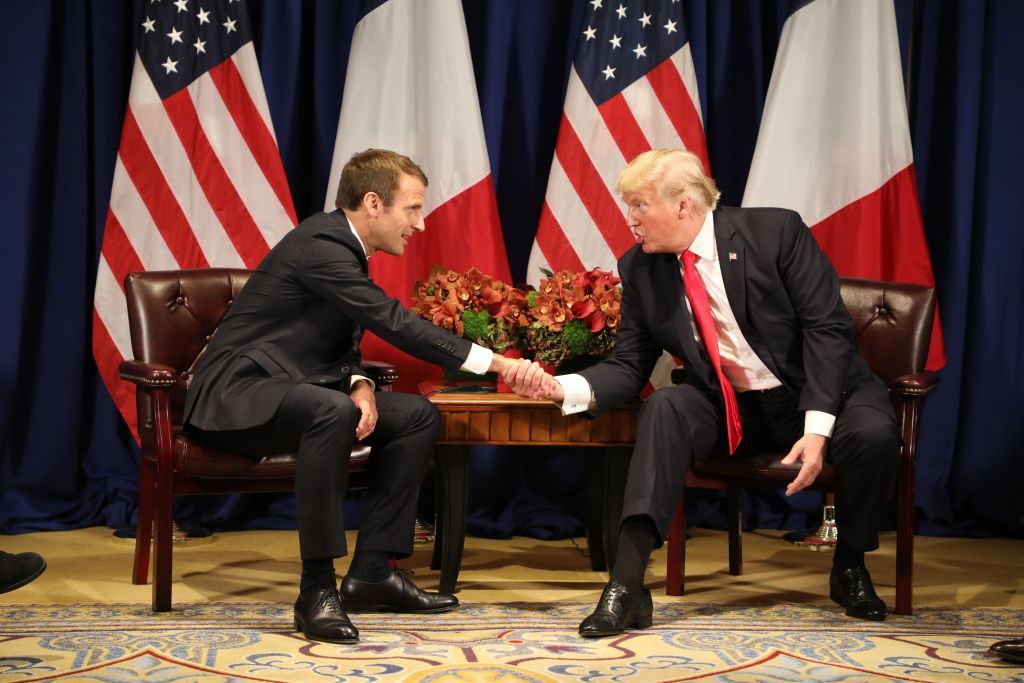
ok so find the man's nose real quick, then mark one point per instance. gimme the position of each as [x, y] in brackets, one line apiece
[418, 224]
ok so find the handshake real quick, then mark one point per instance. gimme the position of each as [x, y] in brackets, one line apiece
[527, 378]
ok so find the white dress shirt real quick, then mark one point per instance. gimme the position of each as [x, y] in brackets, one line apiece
[740, 365]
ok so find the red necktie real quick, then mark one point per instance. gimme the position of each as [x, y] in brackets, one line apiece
[706, 326]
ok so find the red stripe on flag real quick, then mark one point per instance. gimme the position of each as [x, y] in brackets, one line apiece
[671, 91]
[447, 242]
[623, 126]
[554, 244]
[108, 358]
[218, 188]
[253, 129]
[881, 236]
[118, 250]
[156, 194]
[592, 191]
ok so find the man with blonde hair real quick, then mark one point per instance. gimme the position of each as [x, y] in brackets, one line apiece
[748, 301]
[282, 374]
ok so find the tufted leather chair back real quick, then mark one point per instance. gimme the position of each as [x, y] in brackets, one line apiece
[171, 315]
[892, 324]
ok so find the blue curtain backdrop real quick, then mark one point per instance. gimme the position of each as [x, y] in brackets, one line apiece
[66, 459]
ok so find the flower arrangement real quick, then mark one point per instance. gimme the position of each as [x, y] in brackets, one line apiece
[572, 315]
[473, 305]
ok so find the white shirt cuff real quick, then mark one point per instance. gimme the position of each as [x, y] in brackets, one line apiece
[360, 378]
[478, 361]
[817, 422]
[578, 394]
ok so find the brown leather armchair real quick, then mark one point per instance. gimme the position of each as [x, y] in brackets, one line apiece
[172, 315]
[892, 329]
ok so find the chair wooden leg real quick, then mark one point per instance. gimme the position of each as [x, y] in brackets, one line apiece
[735, 533]
[163, 537]
[163, 504]
[676, 551]
[144, 523]
[905, 511]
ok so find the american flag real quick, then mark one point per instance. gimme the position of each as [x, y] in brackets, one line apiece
[198, 180]
[632, 88]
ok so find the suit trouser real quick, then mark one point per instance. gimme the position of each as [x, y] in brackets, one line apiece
[319, 425]
[681, 424]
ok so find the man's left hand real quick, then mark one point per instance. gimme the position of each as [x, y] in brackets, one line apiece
[810, 450]
[366, 402]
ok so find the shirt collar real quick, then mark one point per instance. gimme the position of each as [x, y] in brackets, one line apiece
[358, 238]
[703, 244]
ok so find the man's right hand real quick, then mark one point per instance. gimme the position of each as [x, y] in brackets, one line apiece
[531, 380]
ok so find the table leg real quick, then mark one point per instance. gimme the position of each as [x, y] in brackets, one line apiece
[595, 464]
[616, 469]
[450, 535]
[605, 473]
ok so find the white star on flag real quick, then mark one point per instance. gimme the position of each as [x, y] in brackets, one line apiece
[590, 33]
[148, 24]
[199, 45]
[670, 26]
[608, 72]
[182, 5]
[645, 20]
[175, 36]
[229, 25]
[621, 11]
[170, 65]
[616, 41]
[203, 16]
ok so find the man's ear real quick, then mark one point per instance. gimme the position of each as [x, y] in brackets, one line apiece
[371, 200]
[685, 206]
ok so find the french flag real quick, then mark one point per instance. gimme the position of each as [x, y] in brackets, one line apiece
[410, 88]
[834, 143]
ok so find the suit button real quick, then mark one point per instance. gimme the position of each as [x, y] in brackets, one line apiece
[323, 380]
[344, 368]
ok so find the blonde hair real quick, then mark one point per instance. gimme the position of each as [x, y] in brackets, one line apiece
[673, 174]
[374, 170]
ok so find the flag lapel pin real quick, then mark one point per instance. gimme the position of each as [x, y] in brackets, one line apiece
[732, 256]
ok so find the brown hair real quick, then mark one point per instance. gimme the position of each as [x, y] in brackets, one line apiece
[374, 170]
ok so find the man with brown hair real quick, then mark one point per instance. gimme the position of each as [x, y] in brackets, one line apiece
[748, 301]
[282, 374]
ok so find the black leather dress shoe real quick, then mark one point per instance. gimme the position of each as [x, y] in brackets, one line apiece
[318, 614]
[852, 588]
[19, 570]
[394, 594]
[618, 609]
[1010, 650]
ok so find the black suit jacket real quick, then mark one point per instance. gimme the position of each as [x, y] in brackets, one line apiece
[300, 318]
[784, 293]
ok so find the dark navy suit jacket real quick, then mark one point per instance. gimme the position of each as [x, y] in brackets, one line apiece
[784, 293]
[300, 318]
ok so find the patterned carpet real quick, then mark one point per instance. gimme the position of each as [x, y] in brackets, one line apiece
[501, 643]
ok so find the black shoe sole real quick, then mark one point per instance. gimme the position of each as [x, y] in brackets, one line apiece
[1012, 659]
[350, 607]
[641, 623]
[25, 581]
[324, 639]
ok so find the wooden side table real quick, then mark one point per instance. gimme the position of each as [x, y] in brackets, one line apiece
[508, 419]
